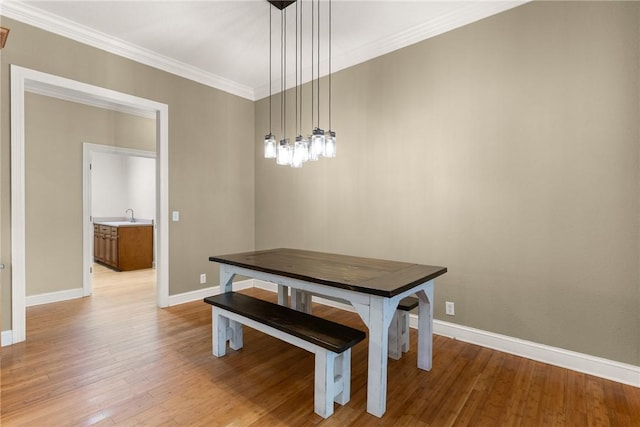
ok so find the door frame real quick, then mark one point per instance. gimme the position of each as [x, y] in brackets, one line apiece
[27, 80]
[88, 149]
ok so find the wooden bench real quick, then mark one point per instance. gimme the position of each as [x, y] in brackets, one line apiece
[330, 342]
[399, 328]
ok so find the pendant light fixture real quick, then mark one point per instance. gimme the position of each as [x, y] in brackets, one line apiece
[285, 150]
[330, 137]
[318, 144]
[270, 139]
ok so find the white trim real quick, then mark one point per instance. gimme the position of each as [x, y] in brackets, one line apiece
[24, 79]
[57, 296]
[580, 362]
[201, 294]
[88, 150]
[31, 15]
[7, 338]
[18, 209]
[61, 93]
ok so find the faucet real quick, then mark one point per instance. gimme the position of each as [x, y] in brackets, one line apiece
[132, 218]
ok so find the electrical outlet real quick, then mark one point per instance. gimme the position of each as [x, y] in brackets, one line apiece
[175, 215]
[449, 308]
[203, 278]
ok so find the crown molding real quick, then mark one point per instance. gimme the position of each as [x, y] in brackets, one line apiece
[55, 24]
[471, 12]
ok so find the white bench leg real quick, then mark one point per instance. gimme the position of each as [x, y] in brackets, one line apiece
[404, 320]
[323, 383]
[395, 336]
[223, 330]
[301, 300]
[332, 381]
[343, 377]
[283, 295]
[219, 326]
[235, 335]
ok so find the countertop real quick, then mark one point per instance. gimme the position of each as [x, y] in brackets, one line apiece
[124, 222]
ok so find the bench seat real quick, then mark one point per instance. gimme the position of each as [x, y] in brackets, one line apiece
[330, 342]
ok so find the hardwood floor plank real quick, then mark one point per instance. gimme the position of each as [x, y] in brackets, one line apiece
[115, 359]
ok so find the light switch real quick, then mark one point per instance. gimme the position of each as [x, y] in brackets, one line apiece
[175, 216]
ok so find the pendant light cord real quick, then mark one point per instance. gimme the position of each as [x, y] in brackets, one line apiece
[318, 109]
[301, 65]
[330, 65]
[296, 70]
[270, 78]
[283, 77]
[313, 27]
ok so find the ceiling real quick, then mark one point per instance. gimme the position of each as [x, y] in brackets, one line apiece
[225, 44]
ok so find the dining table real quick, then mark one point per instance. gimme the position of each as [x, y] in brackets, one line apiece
[372, 286]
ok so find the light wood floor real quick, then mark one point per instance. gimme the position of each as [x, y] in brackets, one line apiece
[115, 359]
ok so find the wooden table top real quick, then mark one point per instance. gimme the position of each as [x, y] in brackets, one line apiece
[367, 275]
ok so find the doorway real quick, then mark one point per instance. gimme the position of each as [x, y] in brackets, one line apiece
[130, 166]
[26, 80]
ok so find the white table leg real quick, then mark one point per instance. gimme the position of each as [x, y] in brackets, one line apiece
[226, 279]
[380, 313]
[425, 327]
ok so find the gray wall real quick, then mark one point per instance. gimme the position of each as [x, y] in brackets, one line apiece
[211, 147]
[506, 150]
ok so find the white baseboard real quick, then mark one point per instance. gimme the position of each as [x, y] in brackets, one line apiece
[580, 362]
[201, 294]
[592, 365]
[7, 338]
[50, 297]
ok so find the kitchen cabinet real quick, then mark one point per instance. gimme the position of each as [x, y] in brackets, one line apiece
[123, 246]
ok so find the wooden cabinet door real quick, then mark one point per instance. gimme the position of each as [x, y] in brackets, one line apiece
[97, 255]
[135, 247]
[113, 243]
[106, 242]
[100, 243]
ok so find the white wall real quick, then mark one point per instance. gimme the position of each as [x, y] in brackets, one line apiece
[108, 185]
[141, 186]
[121, 182]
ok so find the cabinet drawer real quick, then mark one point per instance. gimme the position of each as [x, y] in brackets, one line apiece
[105, 229]
[114, 231]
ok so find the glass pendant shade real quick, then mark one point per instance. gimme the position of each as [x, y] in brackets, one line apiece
[270, 146]
[285, 152]
[317, 144]
[296, 152]
[300, 152]
[330, 144]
